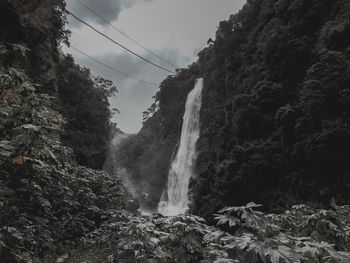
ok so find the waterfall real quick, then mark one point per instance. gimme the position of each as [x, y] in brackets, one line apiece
[175, 200]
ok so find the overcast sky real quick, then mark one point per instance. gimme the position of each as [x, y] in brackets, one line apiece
[173, 29]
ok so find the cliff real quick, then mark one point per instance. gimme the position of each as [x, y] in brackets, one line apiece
[275, 113]
[274, 128]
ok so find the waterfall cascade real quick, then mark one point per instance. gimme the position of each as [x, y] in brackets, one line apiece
[175, 199]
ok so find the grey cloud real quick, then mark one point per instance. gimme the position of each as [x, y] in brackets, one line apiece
[176, 24]
[139, 68]
[108, 9]
[133, 97]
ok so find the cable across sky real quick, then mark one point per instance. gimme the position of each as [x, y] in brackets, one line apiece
[100, 62]
[115, 42]
[124, 34]
[112, 68]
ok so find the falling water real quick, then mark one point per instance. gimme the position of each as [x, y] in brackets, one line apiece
[175, 200]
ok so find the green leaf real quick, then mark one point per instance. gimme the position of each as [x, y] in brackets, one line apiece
[227, 219]
[283, 254]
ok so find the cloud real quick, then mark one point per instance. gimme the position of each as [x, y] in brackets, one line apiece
[136, 67]
[174, 29]
[133, 97]
[108, 9]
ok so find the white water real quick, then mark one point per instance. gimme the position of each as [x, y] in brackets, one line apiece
[175, 200]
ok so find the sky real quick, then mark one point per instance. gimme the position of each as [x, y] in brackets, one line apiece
[175, 30]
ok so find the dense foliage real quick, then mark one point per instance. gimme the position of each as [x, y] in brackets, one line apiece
[275, 112]
[268, 133]
[85, 106]
[275, 123]
[45, 197]
[39, 25]
[47, 201]
[301, 234]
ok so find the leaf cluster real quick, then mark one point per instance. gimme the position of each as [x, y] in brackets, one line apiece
[46, 199]
[301, 234]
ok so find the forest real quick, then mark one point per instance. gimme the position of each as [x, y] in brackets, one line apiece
[271, 174]
[275, 115]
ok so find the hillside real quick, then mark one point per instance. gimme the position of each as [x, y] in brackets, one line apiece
[273, 130]
[275, 115]
[47, 200]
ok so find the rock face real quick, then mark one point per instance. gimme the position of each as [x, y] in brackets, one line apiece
[275, 113]
[39, 26]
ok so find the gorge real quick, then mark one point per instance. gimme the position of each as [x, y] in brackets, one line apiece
[274, 111]
[245, 153]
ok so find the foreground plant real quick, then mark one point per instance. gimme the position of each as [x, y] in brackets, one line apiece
[301, 234]
[46, 199]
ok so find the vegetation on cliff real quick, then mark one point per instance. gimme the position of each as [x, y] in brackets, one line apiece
[274, 128]
[275, 112]
[47, 201]
[275, 123]
[146, 156]
[85, 106]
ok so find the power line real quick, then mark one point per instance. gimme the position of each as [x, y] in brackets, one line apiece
[124, 34]
[97, 61]
[115, 42]
[111, 68]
